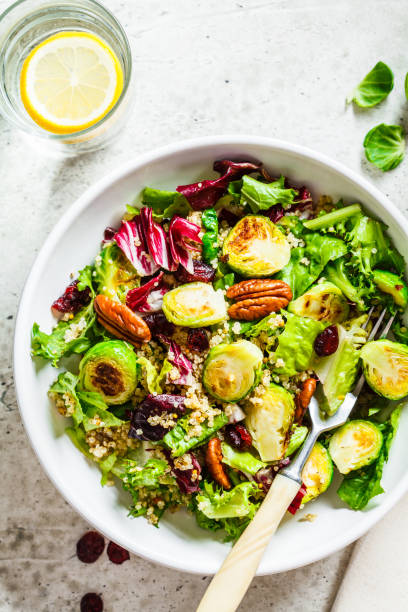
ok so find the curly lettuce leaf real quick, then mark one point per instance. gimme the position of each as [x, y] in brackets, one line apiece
[237, 502]
[93, 405]
[64, 387]
[177, 440]
[261, 196]
[299, 332]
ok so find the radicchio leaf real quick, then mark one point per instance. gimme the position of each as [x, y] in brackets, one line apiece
[297, 500]
[176, 357]
[131, 240]
[157, 241]
[204, 194]
[265, 476]
[154, 405]
[201, 272]
[72, 300]
[148, 297]
[183, 238]
[187, 480]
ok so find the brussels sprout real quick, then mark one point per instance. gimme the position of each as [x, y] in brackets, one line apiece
[323, 302]
[232, 370]
[194, 305]
[109, 368]
[114, 274]
[354, 445]
[256, 247]
[269, 422]
[317, 473]
[392, 284]
[385, 366]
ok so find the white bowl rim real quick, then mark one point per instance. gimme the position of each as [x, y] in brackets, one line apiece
[322, 550]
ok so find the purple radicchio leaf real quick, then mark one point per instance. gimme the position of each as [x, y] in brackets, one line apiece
[156, 240]
[184, 237]
[131, 240]
[154, 406]
[265, 476]
[148, 297]
[177, 358]
[187, 480]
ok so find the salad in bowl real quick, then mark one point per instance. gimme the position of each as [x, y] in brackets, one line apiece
[190, 347]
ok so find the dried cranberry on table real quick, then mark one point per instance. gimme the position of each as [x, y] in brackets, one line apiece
[238, 436]
[154, 405]
[91, 602]
[202, 272]
[90, 547]
[72, 300]
[158, 324]
[117, 554]
[197, 340]
[327, 341]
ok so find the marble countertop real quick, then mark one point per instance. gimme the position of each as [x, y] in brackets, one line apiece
[274, 68]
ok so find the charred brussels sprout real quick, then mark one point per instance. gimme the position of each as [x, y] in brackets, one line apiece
[354, 445]
[110, 368]
[114, 274]
[269, 422]
[232, 370]
[194, 305]
[323, 302]
[392, 284]
[385, 366]
[256, 247]
[317, 473]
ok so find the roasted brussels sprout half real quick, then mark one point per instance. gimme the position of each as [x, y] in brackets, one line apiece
[194, 305]
[392, 284]
[354, 445]
[232, 370]
[385, 367]
[114, 274]
[110, 368]
[323, 302]
[256, 247]
[317, 473]
[269, 422]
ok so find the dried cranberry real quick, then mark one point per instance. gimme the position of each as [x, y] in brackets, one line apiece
[90, 547]
[228, 216]
[327, 341]
[154, 405]
[117, 554]
[72, 300]
[91, 602]
[158, 324]
[109, 233]
[297, 500]
[238, 436]
[197, 340]
[202, 272]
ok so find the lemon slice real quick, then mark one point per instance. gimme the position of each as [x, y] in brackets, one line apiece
[70, 81]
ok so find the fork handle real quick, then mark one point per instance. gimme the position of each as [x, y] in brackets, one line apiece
[232, 580]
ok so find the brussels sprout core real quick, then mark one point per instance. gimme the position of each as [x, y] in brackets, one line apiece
[385, 366]
[323, 302]
[269, 422]
[354, 445]
[194, 305]
[317, 473]
[231, 370]
[256, 247]
[109, 368]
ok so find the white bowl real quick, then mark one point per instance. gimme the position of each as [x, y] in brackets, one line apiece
[75, 240]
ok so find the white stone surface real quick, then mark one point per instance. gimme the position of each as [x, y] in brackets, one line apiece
[274, 68]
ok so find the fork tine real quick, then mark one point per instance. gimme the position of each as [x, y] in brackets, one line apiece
[377, 325]
[370, 313]
[387, 328]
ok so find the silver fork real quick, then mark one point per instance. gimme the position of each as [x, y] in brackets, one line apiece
[232, 580]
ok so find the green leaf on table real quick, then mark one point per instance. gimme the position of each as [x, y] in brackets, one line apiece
[384, 146]
[374, 88]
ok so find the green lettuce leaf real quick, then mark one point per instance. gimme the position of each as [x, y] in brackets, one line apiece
[137, 477]
[233, 527]
[209, 221]
[106, 466]
[92, 405]
[78, 438]
[165, 204]
[299, 332]
[384, 146]
[242, 461]
[177, 439]
[374, 88]
[228, 504]
[153, 378]
[64, 387]
[261, 196]
[252, 329]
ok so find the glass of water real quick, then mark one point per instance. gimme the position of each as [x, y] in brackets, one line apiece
[28, 26]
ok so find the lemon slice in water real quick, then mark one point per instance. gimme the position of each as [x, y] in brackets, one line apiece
[70, 81]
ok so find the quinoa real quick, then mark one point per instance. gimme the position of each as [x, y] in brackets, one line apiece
[107, 440]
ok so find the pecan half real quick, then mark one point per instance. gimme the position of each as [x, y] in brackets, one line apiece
[213, 459]
[257, 298]
[302, 399]
[120, 321]
[249, 310]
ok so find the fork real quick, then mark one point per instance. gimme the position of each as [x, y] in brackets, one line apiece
[232, 580]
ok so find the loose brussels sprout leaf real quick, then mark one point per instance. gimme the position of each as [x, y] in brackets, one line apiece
[299, 332]
[62, 391]
[392, 284]
[110, 368]
[256, 247]
[354, 445]
[322, 302]
[317, 473]
[95, 411]
[269, 422]
[114, 274]
[385, 366]
[374, 88]
[261, 196]
[242, 461]
[194, 305]
[232, 370]
[179, 441]
[228, 504]
[297, 437]
[384, 146]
